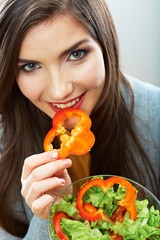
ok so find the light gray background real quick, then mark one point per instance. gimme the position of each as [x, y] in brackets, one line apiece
[138, 28]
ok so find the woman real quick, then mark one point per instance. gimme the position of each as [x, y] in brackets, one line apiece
[57, 54]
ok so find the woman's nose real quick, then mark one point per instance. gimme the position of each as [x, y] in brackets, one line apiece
[60, 85]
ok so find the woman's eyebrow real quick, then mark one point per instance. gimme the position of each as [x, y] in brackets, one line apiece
[26, 61]
[61, 55]
[73, 47]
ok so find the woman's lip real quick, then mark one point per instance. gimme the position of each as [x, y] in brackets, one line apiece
[70, 99]
[77, 105]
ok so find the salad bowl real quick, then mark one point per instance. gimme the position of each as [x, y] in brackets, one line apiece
[143, 195]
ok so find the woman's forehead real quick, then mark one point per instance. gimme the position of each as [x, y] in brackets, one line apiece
[57, 35]
[55, 22]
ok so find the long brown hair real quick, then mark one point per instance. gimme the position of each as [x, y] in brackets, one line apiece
[24, 126]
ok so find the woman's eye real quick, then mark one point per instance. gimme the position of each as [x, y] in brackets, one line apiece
[78, 54]
[29, 67]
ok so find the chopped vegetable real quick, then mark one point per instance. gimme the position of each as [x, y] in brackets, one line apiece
[56, 220]
[127, 202]
[115, 222]
[81, 139]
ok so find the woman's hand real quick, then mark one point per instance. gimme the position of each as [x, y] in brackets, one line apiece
[43, 178]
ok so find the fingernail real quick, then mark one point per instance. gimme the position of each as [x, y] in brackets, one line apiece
[62, 181]
[54, 155]
[67, 162]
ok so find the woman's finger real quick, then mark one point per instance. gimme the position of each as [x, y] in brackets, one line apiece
[39, 188]
[48, 170]
[37, 160]
[41, 206]
[43, 172]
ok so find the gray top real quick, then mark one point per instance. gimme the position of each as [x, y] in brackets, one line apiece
[147, 112]
[147, 121]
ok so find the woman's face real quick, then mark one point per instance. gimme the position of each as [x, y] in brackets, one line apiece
[60, 65]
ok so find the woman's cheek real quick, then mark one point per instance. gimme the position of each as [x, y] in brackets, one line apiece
[30, 89]
[92, 74]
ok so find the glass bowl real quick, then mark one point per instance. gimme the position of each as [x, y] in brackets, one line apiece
[143, 193]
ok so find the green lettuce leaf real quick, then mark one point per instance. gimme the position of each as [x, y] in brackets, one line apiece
[77, 230]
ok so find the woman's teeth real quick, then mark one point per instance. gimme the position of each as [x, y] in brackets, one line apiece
[67, 105]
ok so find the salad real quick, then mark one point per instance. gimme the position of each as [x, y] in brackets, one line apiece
[104, 210]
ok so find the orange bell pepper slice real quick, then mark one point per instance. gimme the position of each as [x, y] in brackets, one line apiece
[127, 202]
[81, 139]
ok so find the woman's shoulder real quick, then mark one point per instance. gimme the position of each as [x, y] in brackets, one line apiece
[147, 121]
[143, 90]
[146, 115]
[146, 98]
[146, 112]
